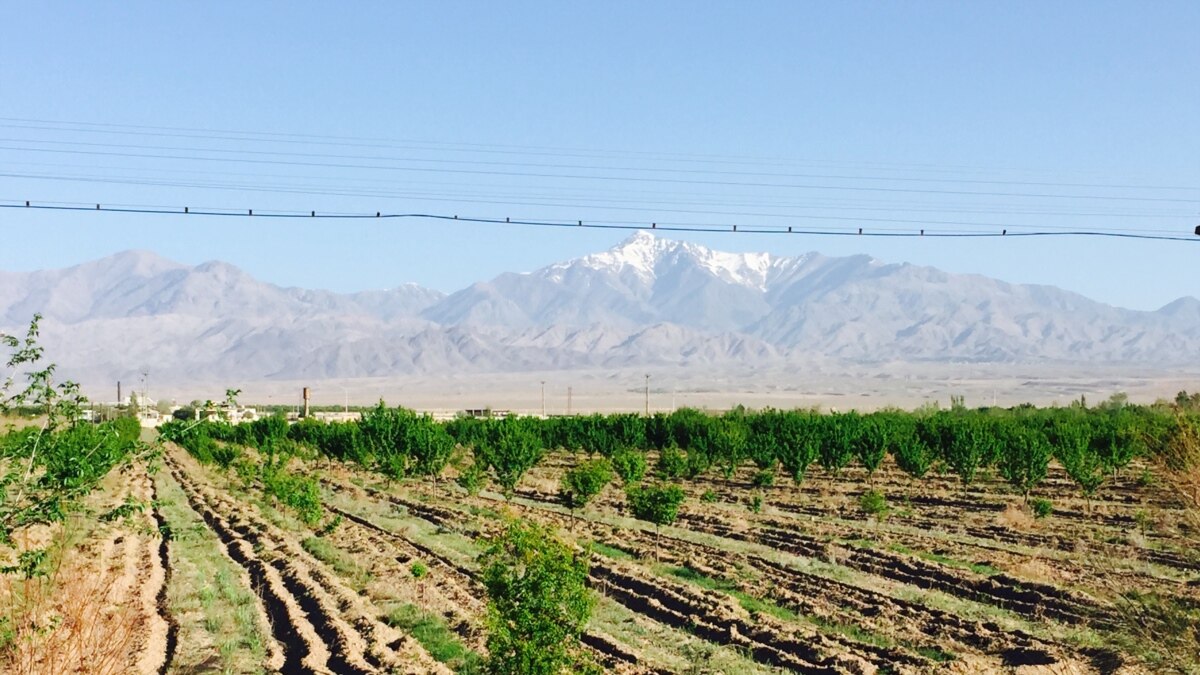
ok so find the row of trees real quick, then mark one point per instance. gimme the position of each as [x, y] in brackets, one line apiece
[1018, 444]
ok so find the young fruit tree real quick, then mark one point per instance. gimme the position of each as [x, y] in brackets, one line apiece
[512, 448]
[430, 446]
[657, 504]
[583, 482]
[1025, 458]
[538, 602]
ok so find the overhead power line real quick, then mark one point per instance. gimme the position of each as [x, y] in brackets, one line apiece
[665, 227]
[598, 176]
[597, 167]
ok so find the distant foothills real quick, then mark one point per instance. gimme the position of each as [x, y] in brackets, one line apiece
[647, 302]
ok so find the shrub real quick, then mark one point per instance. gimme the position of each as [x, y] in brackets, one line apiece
[874, 504]
[709, 497]
[511, 449]
[1042, 508]
[471, 479]
[299, 492]
[418, 569]
[764, 478]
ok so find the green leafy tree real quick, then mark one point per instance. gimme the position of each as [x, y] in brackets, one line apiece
[657, 504]
[47, 469]
[728, 444]
[511, 449]
[799, 442]
[630, 465]
[1073, 445]
[970, 442]
[672, 463]
[871, 443]
[914, 451]
[763, 438]
[1026, 456]
[583, 482]
[840, 434]
[538, 603]
[430, 447]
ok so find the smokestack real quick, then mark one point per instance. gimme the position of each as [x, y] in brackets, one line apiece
[118, 392]
[305, 413]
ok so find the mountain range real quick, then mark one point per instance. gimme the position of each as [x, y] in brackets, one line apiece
[647, 302]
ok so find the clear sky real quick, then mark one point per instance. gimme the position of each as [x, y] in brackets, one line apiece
[836, 114]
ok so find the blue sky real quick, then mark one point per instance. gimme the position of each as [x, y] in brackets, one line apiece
[663, 105]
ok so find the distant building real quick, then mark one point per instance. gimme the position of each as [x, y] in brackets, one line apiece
[234, 414]
[486, 413]
[339, 416]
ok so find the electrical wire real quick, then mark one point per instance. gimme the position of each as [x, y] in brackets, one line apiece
[655, 198]
[592, 167]
[551, 202]
[393, 143]
[735, 229]
[635, 179]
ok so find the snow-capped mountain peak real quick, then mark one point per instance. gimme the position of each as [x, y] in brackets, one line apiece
[644, 254]
[640, 254]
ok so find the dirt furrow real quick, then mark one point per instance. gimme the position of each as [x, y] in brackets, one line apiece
[163, 553]
[1031, 599]
[344, 635]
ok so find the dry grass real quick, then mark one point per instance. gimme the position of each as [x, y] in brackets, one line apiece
[1016, 517]
[77, 618]
[1166, 629]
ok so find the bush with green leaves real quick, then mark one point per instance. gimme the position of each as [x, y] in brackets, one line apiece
[874, 504]
[839, 439]
[429, 445]
[763, 478]
[1074, 441]
[538, 602]
[799, 442]
[1042, 508]
[472, 478]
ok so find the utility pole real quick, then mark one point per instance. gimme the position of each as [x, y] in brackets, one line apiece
[568, 401]
[543, 399]
[647, 394]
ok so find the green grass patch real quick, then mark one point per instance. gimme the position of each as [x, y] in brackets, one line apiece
[343, 563]
[978, 568]
[748, 602]
[611, 551]
[433, 634]
[759, 606]
[217, 614]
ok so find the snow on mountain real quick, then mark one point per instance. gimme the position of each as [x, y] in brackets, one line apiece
[643, 254]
